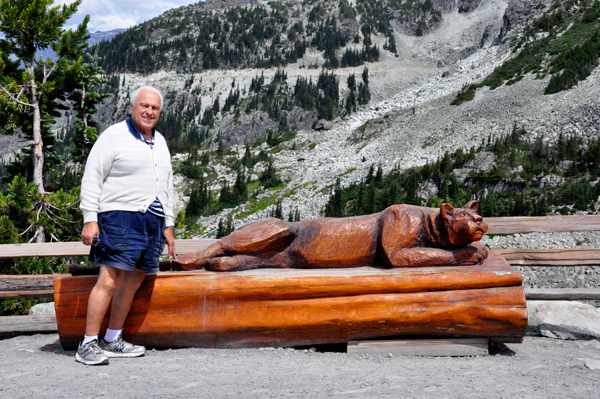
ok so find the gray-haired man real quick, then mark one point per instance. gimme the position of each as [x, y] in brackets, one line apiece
[127, 205]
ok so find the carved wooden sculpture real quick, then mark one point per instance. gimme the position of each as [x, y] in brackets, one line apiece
[399, 236]
[333, 304]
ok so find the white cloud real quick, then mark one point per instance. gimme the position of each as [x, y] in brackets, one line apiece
[110, 22]
[114, 14]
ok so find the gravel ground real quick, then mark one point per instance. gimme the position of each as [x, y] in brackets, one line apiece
[37, 367]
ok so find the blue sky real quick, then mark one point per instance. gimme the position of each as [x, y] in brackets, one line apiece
[114, 14]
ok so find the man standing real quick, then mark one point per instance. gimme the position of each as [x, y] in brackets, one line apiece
[127, 205]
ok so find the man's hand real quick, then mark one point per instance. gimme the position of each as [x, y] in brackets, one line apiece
[170, 239]
[90, 230]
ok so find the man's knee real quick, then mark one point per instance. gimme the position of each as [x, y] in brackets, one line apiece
[109, 279]
[133, 278]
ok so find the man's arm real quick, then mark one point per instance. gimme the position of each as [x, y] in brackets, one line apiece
[170, 240]
[97, 167]
[90, 230]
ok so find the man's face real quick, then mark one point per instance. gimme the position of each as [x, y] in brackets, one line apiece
[145, 111]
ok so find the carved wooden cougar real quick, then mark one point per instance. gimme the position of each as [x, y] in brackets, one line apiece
[399, 236]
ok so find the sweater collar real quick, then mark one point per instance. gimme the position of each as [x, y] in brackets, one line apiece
[136, 133]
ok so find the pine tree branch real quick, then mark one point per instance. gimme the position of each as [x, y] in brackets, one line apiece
[61, 218]
[46, 75]
[69, 206]
[15, 99]
[29, 228]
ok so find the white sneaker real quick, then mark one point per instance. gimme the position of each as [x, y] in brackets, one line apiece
[121, 348]
[91, 354]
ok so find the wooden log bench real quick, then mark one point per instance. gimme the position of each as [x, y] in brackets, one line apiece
[278, 307]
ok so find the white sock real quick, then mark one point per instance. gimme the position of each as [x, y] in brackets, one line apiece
[111, 335]
[88, 338]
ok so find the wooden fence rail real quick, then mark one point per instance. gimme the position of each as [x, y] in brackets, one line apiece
[65, 249]
[543, 224]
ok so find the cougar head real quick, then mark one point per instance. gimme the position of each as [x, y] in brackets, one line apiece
[464, 225]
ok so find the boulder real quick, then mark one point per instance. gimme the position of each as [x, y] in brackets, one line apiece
[592, 364]
[564, 319]
[323, 124]
[552, 181]
[42, 308]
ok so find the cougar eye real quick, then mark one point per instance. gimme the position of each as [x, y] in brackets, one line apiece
[461, 214]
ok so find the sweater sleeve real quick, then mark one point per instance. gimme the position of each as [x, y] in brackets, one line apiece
[169, 214]
[97, 168]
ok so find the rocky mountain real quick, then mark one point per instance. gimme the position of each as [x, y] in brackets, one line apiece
[95, 38]
[100, 36]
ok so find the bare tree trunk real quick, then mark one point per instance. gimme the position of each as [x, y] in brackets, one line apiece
[38, 145]
[38, 152]
[38, 148]
[39, 236]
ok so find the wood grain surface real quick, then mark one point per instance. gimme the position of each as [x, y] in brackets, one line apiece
[562, 294]
[542, 224]
[551, 257]
[75, 248]
[301, 307]
[27, 286]
[28, 324]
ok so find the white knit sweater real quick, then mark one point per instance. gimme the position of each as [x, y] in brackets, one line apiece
[123, 173]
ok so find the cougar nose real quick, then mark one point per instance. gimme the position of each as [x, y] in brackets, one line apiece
[483, 226]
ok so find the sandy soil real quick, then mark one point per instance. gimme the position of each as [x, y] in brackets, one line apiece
[37, 367]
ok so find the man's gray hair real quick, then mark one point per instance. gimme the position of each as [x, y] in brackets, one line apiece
[134, 94]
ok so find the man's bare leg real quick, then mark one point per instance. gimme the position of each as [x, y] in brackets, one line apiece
[123, 298]
[89, 351]
[108, 281]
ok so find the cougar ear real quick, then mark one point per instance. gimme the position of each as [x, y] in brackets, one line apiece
[474, 205]
[447, 211]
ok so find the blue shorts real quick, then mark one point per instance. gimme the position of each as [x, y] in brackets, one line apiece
[129, 240]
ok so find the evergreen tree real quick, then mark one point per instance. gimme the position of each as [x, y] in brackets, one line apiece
[32, 90]
[240, 190]
[29, 26]
[294, 215]
[269, 178]
[335, 206]
[85, 100]
[198, 201]
[364, 95]
[276, 211]
[225, 228]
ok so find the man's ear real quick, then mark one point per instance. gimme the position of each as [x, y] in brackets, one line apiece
[447, 212]
[474, 205]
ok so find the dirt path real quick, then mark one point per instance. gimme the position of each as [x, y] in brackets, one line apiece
[37, 367]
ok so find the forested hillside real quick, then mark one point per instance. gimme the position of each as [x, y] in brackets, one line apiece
[244, 34]
[563, 41]
[510, 176]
